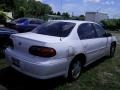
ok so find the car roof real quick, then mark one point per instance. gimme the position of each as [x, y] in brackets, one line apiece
[3, 29]
[28, 19]
[73, 21]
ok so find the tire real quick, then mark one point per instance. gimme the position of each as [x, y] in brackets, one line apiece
[74, 70]
[1, 53]
[112, 50]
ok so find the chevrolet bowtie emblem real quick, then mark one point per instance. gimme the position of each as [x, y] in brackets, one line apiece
[20, 43]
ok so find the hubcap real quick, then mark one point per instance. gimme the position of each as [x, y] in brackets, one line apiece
[76, 69]
[113, 50]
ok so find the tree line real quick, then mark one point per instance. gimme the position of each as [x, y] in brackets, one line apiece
[25, 8]
[111, 24]
[32, 8]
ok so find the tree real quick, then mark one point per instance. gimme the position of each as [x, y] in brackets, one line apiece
[46, 9]
[8, 5]
[21, 12]
[81, 17]
[58, 13]
[66, 15]
[54, 13]
[51, 12]
[111, 24]
[29, 8]
[3, 17]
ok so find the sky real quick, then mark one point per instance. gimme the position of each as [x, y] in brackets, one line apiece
[78, 7]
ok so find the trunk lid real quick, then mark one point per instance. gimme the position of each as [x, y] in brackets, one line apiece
[38, 37]
[22, 42]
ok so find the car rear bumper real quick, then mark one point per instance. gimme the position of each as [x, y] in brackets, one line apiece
[41, 70]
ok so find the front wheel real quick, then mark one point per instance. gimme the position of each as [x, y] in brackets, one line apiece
[112, 50]
[74, 70]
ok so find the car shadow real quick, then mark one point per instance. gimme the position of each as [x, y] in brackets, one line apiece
[13, 80]
[1, 54]
[94, 64]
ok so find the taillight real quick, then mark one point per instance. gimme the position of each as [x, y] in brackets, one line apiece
[42, 51]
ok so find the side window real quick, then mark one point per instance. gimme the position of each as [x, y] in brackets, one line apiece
[86, 31]
[99, 30]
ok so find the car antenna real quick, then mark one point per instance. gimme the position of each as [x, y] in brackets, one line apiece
[60, 38]
[59, 33]
[61, 12]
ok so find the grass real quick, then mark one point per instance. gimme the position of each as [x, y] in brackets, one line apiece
[104, 76]
[101, 75]
[114, 32]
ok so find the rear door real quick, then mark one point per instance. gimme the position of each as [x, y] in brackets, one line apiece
[90, 41]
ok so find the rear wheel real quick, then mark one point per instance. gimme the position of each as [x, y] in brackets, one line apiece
[74, 70]
[2, 53]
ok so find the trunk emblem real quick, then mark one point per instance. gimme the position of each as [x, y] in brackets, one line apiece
[20, 43]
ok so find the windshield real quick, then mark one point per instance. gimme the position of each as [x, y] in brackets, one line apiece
[21, 20]
[59, 29]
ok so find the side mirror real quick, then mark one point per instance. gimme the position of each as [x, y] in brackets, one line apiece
[107, 34]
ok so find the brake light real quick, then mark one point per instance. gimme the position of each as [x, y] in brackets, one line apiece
[42, 51]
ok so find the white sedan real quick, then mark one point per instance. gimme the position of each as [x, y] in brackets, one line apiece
[59, 48]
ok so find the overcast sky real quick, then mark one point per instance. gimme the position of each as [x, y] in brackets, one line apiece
[111, 7]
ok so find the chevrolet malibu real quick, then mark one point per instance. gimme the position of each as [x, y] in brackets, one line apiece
[59, 48]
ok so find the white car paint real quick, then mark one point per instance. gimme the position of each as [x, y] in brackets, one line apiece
[67, 48]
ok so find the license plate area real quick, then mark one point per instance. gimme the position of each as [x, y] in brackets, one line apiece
[15, 62]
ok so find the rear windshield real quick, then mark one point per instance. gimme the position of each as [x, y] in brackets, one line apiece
[59, 29]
